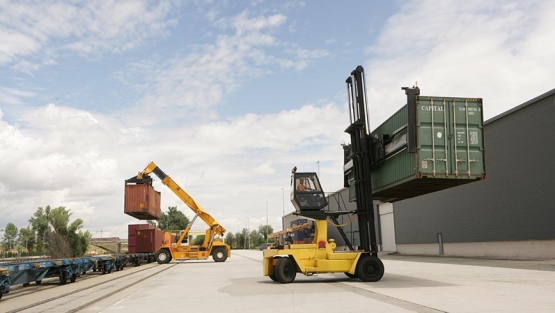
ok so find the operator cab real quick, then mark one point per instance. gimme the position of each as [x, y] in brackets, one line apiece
[307, 195]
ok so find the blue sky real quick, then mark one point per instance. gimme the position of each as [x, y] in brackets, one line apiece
[228, 96]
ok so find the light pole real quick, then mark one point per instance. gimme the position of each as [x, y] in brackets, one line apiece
[283, 208]
[2, 230]
[248, 236]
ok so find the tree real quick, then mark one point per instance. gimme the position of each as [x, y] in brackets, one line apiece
[255, 239]
[230, 240]
[39, 224]
[265, 230]
[172, 220]
[56, 235]
[199, 240]
[241, 238]
[27, 238]
[10, 236]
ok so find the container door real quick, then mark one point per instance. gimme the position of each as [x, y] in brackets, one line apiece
[432, 137]
[467, 157]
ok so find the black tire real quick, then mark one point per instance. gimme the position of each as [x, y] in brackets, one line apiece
[63, 278]
[350, 275]
[285, 270]
[25, 284]
[103, 270]
[109, 270]
[73, 278]
[38, 282]
[163, 256]
[273, 276]
[369, 269]
[1, 293]
[219, 254]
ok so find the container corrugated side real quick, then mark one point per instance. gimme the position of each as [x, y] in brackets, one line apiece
[148, 240]
[142, 202]
[450, 149]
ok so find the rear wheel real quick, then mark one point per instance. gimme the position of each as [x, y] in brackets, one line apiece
[273, 276]
[163, 256]
[38, 282]
[73, 278]
[219, 254]
[369, 269]
[285, 270]
[25, 284]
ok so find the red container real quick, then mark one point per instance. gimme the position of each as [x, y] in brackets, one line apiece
[148, 240]
[131, 235]
[142, 202]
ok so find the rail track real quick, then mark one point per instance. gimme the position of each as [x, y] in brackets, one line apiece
[86, 291]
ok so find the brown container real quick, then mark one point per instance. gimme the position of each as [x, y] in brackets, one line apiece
[131, 235]
[142, 202]
[148, 240]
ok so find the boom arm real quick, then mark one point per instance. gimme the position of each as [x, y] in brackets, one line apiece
[184, 196]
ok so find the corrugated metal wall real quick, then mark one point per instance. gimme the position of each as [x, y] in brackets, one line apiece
[517, 199]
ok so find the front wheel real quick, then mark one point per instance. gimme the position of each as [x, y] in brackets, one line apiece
[219, 254]
[285, 270]
[63, 278]
[163, 256]
[369, 269]
[73, 278]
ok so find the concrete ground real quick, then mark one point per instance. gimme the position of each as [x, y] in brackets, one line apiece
[410, 284]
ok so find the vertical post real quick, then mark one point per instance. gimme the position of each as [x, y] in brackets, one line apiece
[283, 208]
[267, 223]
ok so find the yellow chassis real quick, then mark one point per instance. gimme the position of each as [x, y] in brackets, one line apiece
[282, 264]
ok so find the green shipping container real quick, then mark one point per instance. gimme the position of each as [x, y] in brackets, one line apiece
[449, 149]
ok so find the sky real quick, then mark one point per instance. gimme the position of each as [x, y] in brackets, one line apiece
[227, 96]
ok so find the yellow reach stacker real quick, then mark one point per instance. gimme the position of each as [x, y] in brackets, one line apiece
[212, 245]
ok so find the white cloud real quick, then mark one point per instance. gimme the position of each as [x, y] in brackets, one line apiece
[83, 27]
[204, 77]
[13, 96]
[493, 50]
[79, 159]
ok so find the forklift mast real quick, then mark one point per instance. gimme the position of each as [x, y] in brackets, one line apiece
[361, 156]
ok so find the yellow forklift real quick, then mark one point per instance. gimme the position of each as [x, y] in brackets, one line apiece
[180, 250]
[282, 264]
